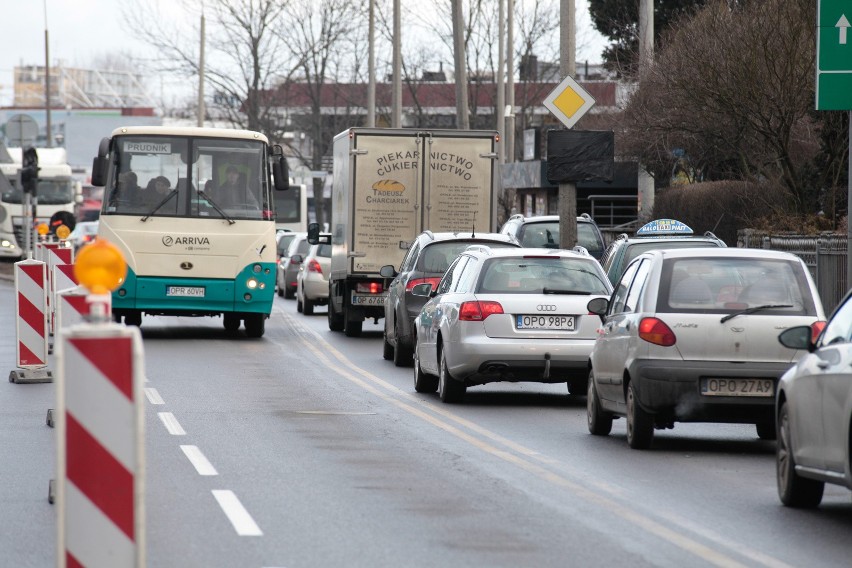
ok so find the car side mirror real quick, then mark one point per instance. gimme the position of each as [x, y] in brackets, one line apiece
[423, 290]
[387, 271]
[798, 337]
[598, 306]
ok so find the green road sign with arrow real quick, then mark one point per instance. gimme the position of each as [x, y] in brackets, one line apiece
[834, 55]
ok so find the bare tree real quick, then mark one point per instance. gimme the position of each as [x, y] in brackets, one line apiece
[244, 53]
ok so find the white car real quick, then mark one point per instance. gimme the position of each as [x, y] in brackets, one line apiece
[690, 335]
[297, 244]
[508, 314]
[83, 233]
[312, 279]
[814, 410]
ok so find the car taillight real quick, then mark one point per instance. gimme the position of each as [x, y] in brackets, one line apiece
[657, 332]
[314, 266]
[415, 281]
[478, 311]
[816, 329]
[369, 287]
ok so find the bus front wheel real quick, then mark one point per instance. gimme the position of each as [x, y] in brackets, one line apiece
[255, 324]
[231, 322]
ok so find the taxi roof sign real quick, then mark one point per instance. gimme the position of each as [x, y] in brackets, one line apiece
[659, 227]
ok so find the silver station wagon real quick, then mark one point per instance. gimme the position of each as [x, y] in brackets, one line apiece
[508, 314]
[691, 335]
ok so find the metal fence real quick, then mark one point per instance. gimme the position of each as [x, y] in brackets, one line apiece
[824, 255]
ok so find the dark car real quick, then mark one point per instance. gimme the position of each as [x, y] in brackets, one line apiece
[657, 234]
[543, 232]
[426, 261]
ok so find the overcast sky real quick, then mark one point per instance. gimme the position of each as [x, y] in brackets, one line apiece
[81, 31]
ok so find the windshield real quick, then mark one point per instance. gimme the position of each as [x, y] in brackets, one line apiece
[154, 176]
[53, 191]
[546, 235]
[534, 275]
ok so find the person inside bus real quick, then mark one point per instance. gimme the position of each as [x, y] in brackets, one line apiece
[126, 190]
[233, 191]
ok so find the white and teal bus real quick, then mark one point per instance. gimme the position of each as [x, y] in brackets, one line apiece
[291, 209]
[192, 210]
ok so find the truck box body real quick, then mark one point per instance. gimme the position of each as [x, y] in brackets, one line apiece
[390, 185]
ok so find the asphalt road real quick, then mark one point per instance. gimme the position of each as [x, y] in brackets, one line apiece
[306, 448]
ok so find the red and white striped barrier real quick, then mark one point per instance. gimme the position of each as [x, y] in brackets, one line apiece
[100, 449]
[63, 279]
[71, 307]
[31, 323]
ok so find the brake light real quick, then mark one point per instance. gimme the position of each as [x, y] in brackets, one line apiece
[656, 331]
[314, 266]
[816, 330]
[369, 287]
[478, 311]
[415, 281]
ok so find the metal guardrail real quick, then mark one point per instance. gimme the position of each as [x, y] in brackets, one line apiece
[613, 210]
[824, 255]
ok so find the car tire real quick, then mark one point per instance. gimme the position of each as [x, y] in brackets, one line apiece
[133, 318]
[640, 424]
[255, 325]
[387, 348]
[423, 382]
[288, 293]
[766, 430]
[449, 389]
[793, 490]
[280, 291]
[600, 422]
[231, 321]
[299, 306]
[307, 306]
[335, 320]
[402, 354]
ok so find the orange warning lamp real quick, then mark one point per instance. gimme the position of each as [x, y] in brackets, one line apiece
[62, 231]
[42, 229]
[100, 267]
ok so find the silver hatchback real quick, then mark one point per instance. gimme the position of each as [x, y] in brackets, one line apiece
[690, 335]
[509, 314]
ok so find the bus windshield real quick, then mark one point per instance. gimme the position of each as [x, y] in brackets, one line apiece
[178, 176]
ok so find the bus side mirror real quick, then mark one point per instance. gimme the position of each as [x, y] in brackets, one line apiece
[317, 238]
[280, 169]
[99, 166]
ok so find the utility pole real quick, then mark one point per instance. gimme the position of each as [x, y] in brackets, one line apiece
[49, 126]
[567, 66]
[371, 66]
[396, 119]
[201, 109]
[501, 83]
[510, 85]
[462, 117]
[645, 182]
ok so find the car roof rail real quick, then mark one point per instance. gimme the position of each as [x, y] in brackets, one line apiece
[711, 235]
[517, 216]
[485, 249]
[429, 234]
[585, 216]
[581, 250]
[622, 237]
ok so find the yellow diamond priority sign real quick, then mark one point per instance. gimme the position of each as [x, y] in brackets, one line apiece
[569, 102]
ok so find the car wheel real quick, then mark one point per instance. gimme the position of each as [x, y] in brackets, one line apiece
[640, 424]
[423, 382]
[402, 355]
[280, 291]
[600, 422]
[335, 321]
[299, 306]
[231, 321]
[255, 325]
[449, 389]
[288, 293]
[387, 348]
[794, 490]
[766, 430]
[307, 306]
[133, 318]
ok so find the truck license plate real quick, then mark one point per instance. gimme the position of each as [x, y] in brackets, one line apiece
[371, 300]
[564, 323]
[185, 291]
[737, 387]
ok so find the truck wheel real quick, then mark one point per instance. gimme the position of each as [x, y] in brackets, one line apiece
[335, 321]
[353, 328]
[231, 321]
[255, 324]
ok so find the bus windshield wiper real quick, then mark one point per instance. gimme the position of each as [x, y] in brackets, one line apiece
[216, 206]
[753, 310]
[171, 194]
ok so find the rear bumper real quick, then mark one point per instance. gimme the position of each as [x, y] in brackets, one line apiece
[672, 390]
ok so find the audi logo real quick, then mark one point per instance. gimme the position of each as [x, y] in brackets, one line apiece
[546, 308]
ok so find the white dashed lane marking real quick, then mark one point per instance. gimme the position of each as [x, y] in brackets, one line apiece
[171, 424]
[236, 513]
[197, 459]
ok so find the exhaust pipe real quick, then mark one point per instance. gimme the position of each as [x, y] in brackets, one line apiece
[546, 366]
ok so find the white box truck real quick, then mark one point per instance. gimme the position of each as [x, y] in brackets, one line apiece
[56, 191]
[388, 186]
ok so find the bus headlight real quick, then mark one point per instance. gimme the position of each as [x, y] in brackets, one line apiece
[251, 283]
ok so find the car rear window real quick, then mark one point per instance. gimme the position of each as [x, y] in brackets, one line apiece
[324, 251]
[635, 249]
[546, 235]
[537, 275]
[723, 285]
[437, 257]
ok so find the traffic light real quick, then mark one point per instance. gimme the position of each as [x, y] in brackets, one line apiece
[29, 171]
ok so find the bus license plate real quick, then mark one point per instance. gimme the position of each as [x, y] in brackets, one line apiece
[737, 387]
[185, 291]
[371, 300]
[564, 323]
